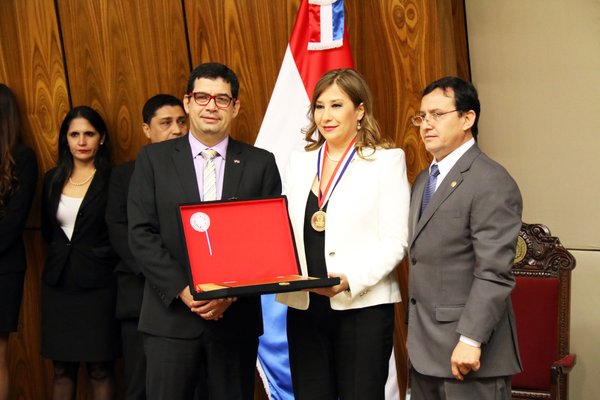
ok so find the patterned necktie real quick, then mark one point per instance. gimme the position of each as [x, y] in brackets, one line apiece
[430, 188]
[210, 175]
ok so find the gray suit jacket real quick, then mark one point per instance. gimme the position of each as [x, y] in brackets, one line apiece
[460, 254]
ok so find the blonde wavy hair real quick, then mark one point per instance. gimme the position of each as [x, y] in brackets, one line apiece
[355, 87]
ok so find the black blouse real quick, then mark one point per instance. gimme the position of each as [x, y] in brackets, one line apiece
[314, 249]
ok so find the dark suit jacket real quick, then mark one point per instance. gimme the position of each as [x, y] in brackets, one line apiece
[88, 253]
[129, 276]
[12, 250]
[164, 177]
[461, 252]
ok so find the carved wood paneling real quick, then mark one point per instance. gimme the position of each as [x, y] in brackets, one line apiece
[401, 331]
[401, 46]
[463, 68]
[390, 53]
[31, 65]
[118, 54]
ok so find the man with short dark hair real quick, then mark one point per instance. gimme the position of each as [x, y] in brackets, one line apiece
[163, 118]
[188, 341]
[465, 215]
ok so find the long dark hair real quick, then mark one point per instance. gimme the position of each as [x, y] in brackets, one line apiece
[102, 160]
[10, 134]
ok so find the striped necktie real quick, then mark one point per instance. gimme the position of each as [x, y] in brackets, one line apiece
[210, 175]
[430, 188]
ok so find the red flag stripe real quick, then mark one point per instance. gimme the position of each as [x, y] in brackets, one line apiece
[314, 23]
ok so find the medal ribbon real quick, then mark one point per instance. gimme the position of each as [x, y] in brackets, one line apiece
[337, 174]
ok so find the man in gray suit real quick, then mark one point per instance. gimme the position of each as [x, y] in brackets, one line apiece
[465, 215]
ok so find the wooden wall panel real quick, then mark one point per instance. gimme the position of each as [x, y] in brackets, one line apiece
[401, 46]
[251, 38]
[463, 67]
[118, 54]
[31, 65]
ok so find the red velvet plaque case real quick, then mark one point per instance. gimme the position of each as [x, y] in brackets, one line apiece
[242, 247]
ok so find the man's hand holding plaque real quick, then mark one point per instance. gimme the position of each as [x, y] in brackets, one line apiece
[207, 309]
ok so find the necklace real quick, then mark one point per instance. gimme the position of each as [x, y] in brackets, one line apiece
[84, 182]
[331, 159]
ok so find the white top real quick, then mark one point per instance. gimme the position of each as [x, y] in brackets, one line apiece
[66, 214]
[367, 226]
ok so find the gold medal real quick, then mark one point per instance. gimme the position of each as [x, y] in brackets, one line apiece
[317, 221]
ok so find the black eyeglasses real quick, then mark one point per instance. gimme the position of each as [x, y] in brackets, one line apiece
[418, 120]
[222, 101]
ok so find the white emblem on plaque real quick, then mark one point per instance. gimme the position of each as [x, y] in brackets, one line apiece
[201, 222]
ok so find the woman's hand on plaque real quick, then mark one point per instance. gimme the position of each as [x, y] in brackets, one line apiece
[333, 290]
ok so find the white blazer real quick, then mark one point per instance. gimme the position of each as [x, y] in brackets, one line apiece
[367, 225]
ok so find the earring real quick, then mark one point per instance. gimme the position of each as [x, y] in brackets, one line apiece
[358, 126]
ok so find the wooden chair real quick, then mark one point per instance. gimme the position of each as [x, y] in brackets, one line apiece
[541, 301]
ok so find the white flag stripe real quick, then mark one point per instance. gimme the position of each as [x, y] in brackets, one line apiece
[392, 391]
[281, 130]
[326, 25]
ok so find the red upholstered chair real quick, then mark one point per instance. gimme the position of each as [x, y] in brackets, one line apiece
[541, 301]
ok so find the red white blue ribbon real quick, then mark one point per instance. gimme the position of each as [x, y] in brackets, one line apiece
[337, 172]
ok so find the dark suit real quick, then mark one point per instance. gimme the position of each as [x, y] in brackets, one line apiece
[89, 253]
[130, 282]
[130, 278]
[12, 250]
[78, 291]
[164, 177]
[461, 252]
[12, 223]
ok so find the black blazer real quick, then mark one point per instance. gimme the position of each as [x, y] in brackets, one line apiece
[88, 253]
[129, 276]
[164, 177]
[12, 250]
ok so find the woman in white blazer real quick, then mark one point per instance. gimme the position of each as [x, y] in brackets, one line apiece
[348, 199]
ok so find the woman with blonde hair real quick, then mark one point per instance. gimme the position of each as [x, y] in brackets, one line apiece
[348, 198]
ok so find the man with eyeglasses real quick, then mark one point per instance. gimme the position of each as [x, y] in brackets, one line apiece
[188, 341]
[465, 215]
